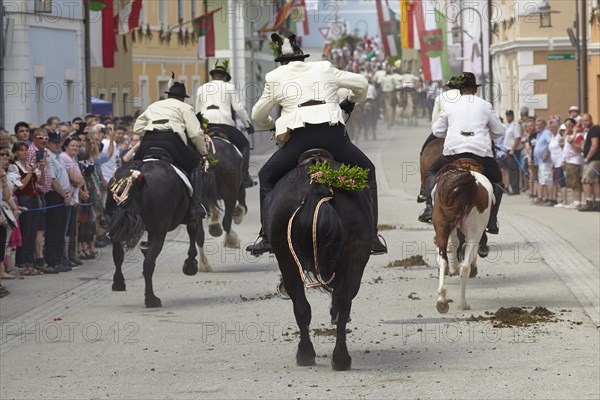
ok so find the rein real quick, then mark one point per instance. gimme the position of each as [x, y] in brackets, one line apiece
[210, 144]
[306, 278]
[120, 189]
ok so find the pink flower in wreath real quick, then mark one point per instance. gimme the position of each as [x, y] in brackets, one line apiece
[317, 175]
[352, 182]
[342, 178]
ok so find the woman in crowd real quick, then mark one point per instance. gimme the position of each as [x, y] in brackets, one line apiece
[89, 193]
[27, 196]
[69, 157]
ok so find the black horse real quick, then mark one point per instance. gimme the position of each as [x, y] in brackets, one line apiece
[338, 251]
[222, 182]
[158, 203]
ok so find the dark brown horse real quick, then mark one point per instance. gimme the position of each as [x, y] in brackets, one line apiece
[462, 200]
[223, 182]
[318, 231]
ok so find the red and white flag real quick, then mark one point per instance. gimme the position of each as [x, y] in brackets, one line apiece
[390, 29]
[103, 35]
[205, 31]
[128, 18]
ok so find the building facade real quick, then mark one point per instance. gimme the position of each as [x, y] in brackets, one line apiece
[43, 61]
[533, 65]
[594, 62]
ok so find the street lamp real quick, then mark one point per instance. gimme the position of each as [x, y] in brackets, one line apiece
[456, 30]
[545, 14]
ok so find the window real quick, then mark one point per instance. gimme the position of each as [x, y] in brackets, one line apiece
[70, 99]
[180, 12]
[162, 13]
[39, 99]
[42, 6]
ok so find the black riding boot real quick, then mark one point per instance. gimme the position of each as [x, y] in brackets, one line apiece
[197, 211]
[247, 182]
[263, 245]
[426, 214]
[377, 247]
[493, 223]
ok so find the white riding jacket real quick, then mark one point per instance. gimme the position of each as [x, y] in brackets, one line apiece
[469, 126]
[216, 99]
[295, 84]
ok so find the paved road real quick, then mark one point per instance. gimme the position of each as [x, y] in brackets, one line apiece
[227, 335]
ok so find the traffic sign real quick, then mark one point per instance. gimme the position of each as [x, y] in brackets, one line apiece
[560, 56]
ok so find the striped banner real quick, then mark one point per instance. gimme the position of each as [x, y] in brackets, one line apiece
[390, 29]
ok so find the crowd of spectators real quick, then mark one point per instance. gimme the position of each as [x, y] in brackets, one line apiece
[54, 186]
[552, 159]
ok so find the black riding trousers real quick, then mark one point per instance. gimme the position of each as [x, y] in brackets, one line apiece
[332, 138]
[183, 155]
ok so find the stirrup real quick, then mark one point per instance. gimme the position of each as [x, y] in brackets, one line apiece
[259, 248]
[376, 248]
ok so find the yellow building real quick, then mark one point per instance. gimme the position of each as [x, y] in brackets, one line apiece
[165, 43]
[594, 62]
[533, 59]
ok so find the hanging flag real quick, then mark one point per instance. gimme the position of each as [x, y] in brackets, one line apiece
[407, 18]
[205, 31]
[390, 29]
[102, 34]
[298, 20]
[128, 18]
[431, 25]
[282, 15]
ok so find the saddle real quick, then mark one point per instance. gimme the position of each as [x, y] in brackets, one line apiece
[158, 153]
[470, 164]
[217, 132]
[306, 157]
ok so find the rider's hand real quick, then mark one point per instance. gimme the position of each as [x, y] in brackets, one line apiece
[347, 106]
[250, 129]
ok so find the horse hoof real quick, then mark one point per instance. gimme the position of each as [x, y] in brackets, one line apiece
[238, 214]
[483, 250]
[473, 272]
[343, 363]
[190, 267]
[442, 307]
[215, 230]
[282, 292]
[153, 302]
[118, 287]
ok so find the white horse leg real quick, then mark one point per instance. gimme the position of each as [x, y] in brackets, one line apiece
[203, 264]
[442, 303]
[465, 269]
[452, 247]
[238, 214]
[231, 240]
[214, 225]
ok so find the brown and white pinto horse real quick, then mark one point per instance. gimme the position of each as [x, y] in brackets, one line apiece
[462, 200]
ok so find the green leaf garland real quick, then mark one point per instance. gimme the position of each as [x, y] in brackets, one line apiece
[347, 177]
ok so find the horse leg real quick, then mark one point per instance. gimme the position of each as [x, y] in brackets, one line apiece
[214, 226]
[305, 356]
[204, 265]
[118, 256]
[441, 241]
[470, 255]
[190, 265]
[452, 246]
[231, 238]
[341, 360]
[156, 244]
[241, 209]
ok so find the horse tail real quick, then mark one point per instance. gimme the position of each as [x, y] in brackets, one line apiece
[317, 232]
[456, 193]
[209, 190]
[125, 223]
